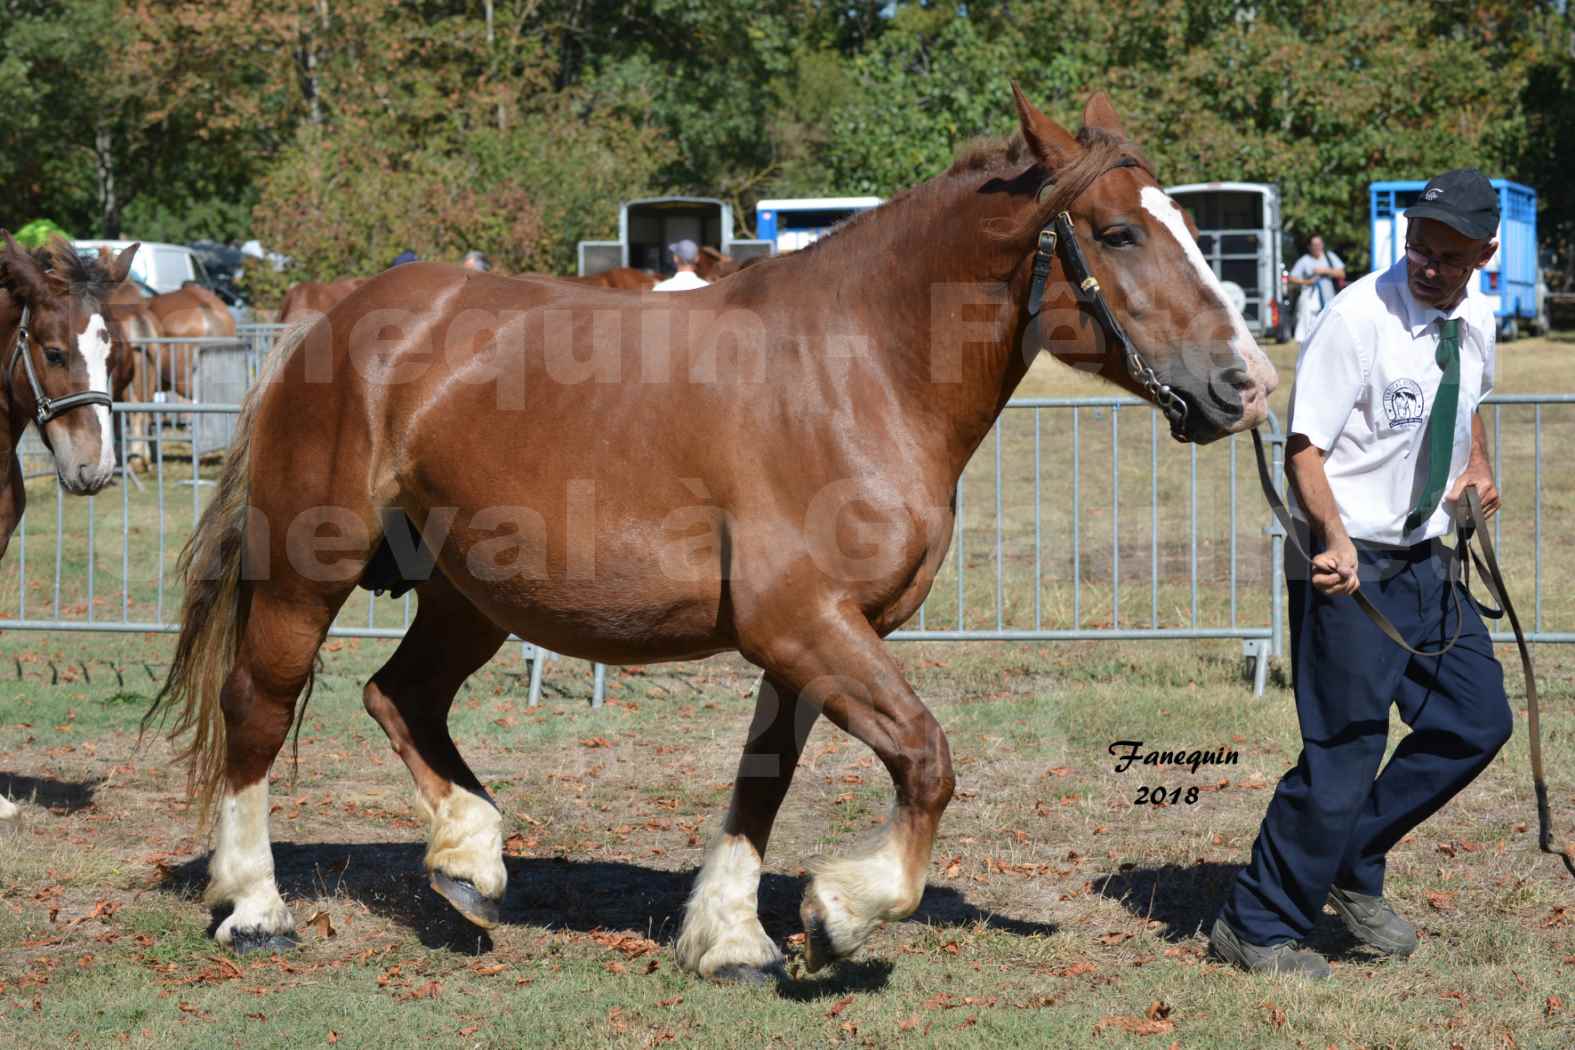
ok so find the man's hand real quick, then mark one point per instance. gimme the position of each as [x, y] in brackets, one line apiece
[1334, 569]
[1478, 473]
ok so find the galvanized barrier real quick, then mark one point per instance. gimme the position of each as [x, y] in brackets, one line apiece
[1065, 528]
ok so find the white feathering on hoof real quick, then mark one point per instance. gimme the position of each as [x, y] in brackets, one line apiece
[240, 868]
[721, 921]
[8, 809]
[853, 896]
[465, 841]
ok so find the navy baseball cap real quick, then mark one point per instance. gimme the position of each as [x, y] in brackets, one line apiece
[1463, 200]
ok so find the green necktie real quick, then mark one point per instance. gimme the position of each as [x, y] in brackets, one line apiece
[1439, 442]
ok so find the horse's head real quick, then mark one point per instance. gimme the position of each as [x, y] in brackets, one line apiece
[59, 358]
[1140, 250]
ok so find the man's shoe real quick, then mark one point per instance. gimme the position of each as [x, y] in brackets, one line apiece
[1373, 922]
[1287, 957]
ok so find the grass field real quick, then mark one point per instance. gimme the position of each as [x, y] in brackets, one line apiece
[1059, 912]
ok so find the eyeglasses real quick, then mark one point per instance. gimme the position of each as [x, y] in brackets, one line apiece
[1448, 270]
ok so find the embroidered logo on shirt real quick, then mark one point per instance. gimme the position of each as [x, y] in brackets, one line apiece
[1403, 404]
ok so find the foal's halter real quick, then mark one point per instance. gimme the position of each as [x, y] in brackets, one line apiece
[1059, 239]
[48, 408]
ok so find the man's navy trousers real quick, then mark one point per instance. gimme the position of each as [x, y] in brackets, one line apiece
[1334, 817]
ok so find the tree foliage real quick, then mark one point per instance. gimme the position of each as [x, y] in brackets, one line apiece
[342, 131]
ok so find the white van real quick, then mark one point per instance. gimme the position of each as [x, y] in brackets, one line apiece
[162, 267]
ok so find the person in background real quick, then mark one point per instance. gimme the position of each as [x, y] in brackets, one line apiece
[475, 260]
[686, 254]
[1316, 273]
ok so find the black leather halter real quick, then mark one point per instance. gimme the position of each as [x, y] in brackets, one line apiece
[48, 408]
[1059, 239]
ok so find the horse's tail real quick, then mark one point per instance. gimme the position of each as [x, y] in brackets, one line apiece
[213, 611]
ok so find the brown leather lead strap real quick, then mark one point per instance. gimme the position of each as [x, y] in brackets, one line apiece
[1494, 579]
[1475, 523]
[1381, 621]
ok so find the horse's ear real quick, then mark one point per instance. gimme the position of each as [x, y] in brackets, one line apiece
[1052, 144]
[26, 274]
[1100, 114]
[120, 269]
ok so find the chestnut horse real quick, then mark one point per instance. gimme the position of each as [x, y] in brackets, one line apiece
[766, 465]
[626, 278]
[309, 300]
[57, 346]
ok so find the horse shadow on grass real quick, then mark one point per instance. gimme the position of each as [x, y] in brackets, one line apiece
[560, 893]
[58, 796]
[1186, 900]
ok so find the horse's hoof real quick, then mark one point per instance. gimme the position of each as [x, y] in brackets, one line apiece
[467, 900]
[739, 973]
[818, 948]
[244, 942]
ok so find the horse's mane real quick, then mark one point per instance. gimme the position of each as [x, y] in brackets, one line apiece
[87, 278]
[989, 154]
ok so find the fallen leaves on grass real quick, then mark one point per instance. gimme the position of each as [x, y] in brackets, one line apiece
[488, 971]
[323, 925]
[1115, 937]
[1440, 901]
[1135, 1025]
[629, 944]
[839, 1006]
[596, 741]
[1274, 1016]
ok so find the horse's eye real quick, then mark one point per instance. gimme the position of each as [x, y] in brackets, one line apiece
[55, 357]
[1118, 237]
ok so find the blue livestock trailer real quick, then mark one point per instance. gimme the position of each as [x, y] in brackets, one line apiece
[1509, 280]
[791, 223]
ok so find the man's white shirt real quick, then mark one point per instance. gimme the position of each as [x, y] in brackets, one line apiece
[1365, 383]
[682, 281]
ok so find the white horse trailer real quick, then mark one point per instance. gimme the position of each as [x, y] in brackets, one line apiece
[1240, 234]
[646, 227]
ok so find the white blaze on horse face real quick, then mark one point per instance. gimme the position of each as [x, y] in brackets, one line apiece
[1259, 370]
[94, 345]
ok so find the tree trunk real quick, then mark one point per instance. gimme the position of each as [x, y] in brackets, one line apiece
[108, 192]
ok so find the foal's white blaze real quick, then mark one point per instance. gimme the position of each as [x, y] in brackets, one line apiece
[721, 921]
[94, 346]
[465, 840]
[93, 343]
[240, 869]
[1262, 373]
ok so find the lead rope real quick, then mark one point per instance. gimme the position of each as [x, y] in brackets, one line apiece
[1494, 578]
[1475, 524]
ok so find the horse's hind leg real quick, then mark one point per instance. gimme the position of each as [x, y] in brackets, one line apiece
[722, 936]
[839, 664]
[410, 697]
[284, 628]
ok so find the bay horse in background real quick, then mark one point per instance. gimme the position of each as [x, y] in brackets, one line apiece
[192, 312]
[625, 278]
[767, 465]
[309, 300]
[57, 345]
[134, 377]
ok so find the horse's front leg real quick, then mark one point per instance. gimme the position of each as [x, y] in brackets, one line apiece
[840, 665]
[722, 936]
